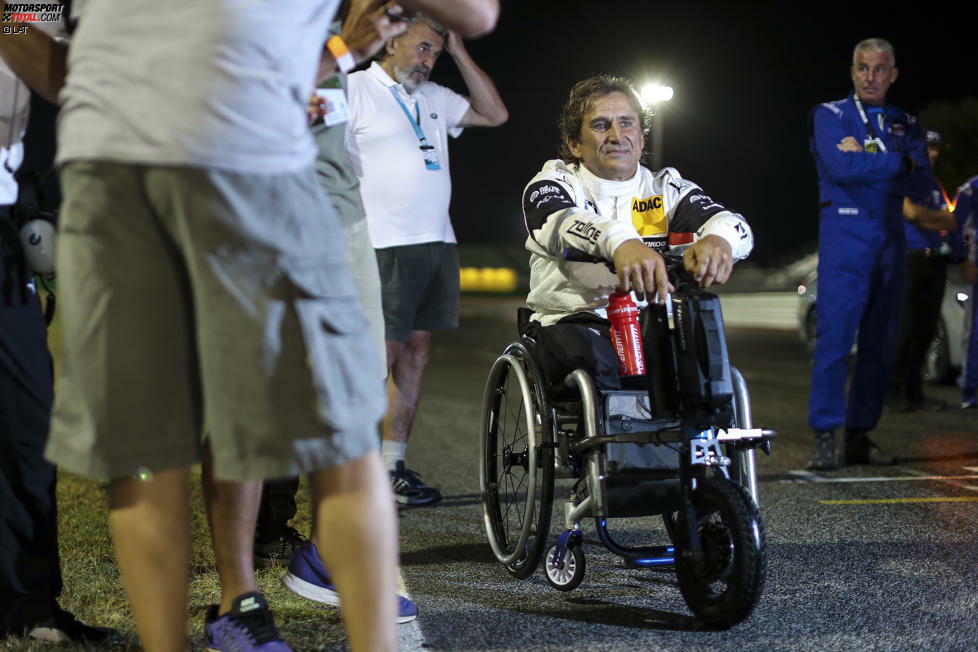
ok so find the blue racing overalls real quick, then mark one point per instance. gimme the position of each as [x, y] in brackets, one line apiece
[966, 214]
[861, 253]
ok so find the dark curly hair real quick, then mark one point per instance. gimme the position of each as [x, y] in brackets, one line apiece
[582, 98]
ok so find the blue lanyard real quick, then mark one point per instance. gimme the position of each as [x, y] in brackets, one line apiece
[415, 121]
[869, 131]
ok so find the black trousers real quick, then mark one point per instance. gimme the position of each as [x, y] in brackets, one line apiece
[579, 341]
[276, 509]
[30, 569]
[922, 296]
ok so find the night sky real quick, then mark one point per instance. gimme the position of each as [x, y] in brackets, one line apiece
[745, 80]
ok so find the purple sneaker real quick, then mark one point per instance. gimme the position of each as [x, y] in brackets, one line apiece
[306, 576]
[248, 626]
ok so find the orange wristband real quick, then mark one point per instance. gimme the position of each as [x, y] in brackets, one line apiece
[337, 47]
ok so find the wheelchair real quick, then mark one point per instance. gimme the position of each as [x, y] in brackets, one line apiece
[677, 442]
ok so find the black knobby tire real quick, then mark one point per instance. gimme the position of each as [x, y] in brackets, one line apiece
[517, 462]
[725, 587]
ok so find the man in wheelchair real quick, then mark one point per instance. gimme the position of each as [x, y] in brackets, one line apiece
[601, 206]
[680, 445]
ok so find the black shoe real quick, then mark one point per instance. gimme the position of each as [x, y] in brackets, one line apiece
[278, 551]
[897, 403]
[860, 449]
[63, 627]
[823, 455]
[928, 404]
[409, 490]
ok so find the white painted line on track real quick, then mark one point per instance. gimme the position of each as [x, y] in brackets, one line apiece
[409, 635]
[814, 477]
[897, 501]
[807, 475]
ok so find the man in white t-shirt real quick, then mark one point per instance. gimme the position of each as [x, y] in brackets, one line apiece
[398, 141]
[194, 283]
[30, 566]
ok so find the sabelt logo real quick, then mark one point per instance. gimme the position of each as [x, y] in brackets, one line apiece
[648, 217]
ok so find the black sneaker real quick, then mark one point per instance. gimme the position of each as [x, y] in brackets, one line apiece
[823, 454]
[897, 403]
[928, 404]
[408, 488]
[278, 551]
[63, 627]
[860, 449]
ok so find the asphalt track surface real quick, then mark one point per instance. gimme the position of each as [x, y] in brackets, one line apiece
[860, 558]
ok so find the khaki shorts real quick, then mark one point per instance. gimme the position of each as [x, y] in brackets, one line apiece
[189, 293]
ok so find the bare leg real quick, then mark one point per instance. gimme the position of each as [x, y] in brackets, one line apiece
[150, 522]
[232, 508]
[356, 530]
[406, 362]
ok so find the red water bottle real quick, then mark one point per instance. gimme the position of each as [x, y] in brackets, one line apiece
[626, 336]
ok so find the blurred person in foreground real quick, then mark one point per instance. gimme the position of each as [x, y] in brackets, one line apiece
[276, 542]
[194, 283]
[869, 155]
[602, 203]
[397, 137]
[30, 564]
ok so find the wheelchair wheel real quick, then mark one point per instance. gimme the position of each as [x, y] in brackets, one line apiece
[517, 461]
[567, 575]
[723, 589]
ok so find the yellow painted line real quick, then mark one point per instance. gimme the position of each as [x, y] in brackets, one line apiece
[879, 501]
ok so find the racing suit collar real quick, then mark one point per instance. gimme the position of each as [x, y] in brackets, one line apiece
[605, 188]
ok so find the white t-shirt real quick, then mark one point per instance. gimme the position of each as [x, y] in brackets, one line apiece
[221, 83]
[15, 100]
[406, 203]
[15, 105]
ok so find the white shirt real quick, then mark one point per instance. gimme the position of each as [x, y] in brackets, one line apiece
[15, 104]
[221, 83]
[15, 99]
[406, 203]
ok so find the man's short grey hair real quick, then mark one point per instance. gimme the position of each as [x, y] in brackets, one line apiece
[874, 45]
[436, 27]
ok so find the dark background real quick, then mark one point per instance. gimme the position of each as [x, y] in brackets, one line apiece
[745, 75]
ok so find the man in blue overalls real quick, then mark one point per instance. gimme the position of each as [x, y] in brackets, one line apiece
[924, 291]
[966, 212]
[869, 156]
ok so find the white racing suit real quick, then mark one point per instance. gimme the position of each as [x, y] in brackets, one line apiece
[566, 207]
